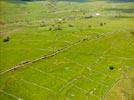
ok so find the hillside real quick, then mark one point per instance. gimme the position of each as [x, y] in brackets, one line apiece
[66, 50]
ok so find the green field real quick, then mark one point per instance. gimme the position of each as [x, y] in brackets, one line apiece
[65, 51]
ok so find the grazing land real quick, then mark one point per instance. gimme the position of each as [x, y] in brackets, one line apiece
[67, 50]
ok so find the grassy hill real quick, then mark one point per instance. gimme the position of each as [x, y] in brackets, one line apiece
[66, 51]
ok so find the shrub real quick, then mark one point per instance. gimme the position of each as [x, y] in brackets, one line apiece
[111, 67]
[53, 25]
[70, 25]
[6, 39]
[132, 32]
[50, 28]
[101, 24]
[85, 39]
[87, 17]
[89, 26]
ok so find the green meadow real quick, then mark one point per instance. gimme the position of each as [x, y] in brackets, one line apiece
[66, 50]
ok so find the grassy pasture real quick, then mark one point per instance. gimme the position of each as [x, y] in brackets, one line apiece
[81, 72]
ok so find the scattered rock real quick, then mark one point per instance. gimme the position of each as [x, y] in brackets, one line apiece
[97, 14]
[89, 68]
[72, 95]
[120, 69]
[20, 99]
[94, 89]
[91, 92]
[59, 20]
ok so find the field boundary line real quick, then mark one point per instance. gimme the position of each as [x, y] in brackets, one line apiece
[35, 84]
[48, 74]
[9, 94]
[45, 56]
[121, 57]
[69, 82]
[114, 83]
[97, 82]
[52, 76]
[50, 49]
[81, 74]
[23, 64]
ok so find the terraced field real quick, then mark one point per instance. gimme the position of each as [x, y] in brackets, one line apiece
[66, 51]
